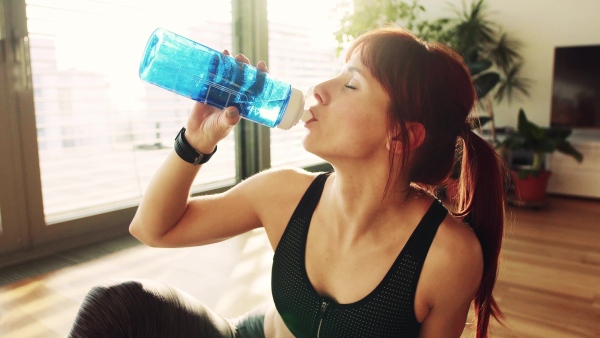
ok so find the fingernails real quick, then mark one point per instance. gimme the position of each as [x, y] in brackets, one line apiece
[231, 112]
[262, 65]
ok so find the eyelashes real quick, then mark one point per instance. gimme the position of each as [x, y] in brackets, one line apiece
[349, 86]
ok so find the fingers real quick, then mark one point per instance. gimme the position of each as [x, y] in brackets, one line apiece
[225, 122]
[207, 126]
[231, 116]
[261, 65]
[242, 58]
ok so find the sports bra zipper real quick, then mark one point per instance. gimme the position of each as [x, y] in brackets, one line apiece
[324, 305]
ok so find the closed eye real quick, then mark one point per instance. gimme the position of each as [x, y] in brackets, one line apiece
[350, 86]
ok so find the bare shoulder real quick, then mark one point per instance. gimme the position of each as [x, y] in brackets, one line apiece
[278, 183]
[289, 175]
[450, 279]
[275, 194]
[455, 260]
[457, 238]
[273, 188]
[459, 246]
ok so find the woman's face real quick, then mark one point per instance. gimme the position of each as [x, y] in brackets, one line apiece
[349, 119]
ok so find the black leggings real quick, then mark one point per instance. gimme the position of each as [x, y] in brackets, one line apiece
[150, 309]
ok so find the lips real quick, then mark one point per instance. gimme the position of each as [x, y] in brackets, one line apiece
[310, 117]
[309, 101]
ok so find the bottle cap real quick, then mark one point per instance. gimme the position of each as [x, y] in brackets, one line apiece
[293, 111]
[306, 115]
[309, 101]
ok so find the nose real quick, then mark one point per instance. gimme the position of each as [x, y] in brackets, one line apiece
[320, 93]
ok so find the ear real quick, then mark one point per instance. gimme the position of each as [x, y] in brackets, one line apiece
[416, 135]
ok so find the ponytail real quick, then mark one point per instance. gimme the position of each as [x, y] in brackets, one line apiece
[481, 205]
[430, 84]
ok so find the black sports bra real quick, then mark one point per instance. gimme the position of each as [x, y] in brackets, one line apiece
[388, 311]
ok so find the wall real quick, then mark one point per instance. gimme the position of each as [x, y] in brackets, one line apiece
[540, 25]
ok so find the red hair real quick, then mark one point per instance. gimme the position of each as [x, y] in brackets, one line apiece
[429, 83]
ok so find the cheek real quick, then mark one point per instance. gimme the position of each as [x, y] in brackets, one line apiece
[362, 132]
[366, 119]
[359, 111]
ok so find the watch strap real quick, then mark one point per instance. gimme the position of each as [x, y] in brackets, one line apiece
[188, 153]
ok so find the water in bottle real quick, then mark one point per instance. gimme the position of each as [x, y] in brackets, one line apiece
[193, 70]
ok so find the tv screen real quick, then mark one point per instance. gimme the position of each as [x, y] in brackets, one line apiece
[576, 87]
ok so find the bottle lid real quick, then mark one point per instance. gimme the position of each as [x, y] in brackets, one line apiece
[293, 111]
[306, 115]
[309, 101]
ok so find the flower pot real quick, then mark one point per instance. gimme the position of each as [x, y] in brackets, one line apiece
[531, 189]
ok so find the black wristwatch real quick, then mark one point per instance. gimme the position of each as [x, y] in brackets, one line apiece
[188, 153]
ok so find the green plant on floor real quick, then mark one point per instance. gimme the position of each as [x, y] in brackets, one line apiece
[540, 141]
[490, 54]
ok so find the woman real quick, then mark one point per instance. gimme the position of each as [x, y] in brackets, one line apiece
[363, 251]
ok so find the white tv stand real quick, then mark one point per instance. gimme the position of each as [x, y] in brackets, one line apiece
[572, 178]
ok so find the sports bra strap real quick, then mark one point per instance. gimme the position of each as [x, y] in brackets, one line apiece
[420, 241]
[311, 198]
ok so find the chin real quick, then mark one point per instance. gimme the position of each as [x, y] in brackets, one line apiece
[309, 146]
[319, 146]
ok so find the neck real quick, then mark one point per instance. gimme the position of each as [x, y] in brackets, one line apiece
[358, 201]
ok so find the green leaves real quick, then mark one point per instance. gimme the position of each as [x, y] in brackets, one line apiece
[567, 148]
[504, 52]
[485, 83]
[512, 84]
[471, 28]
[369, 14]
[529, 130]
[478, 66]
[523, 173]
[530, 136]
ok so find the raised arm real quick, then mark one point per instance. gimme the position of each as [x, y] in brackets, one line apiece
[167, 216]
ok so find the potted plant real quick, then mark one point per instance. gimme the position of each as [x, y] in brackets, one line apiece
[530, 182]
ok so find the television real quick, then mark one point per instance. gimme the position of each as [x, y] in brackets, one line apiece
[576, 87]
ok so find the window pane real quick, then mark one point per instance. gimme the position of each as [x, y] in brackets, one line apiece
[302, 51]
[102, 132]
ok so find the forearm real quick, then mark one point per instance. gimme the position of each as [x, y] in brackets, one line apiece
[165, 199]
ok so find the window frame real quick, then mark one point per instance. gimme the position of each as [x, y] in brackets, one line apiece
[25, 234]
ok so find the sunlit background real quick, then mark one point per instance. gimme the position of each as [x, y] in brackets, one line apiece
[102, 131]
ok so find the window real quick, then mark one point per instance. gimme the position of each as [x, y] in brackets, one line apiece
[80, 133]
[101, 131]
[302, 51]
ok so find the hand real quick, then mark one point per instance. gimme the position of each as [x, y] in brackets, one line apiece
[208, 125]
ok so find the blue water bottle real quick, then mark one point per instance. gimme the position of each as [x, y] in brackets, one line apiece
[193, 70]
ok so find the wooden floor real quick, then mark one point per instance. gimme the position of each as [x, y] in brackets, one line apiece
[549, 284]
